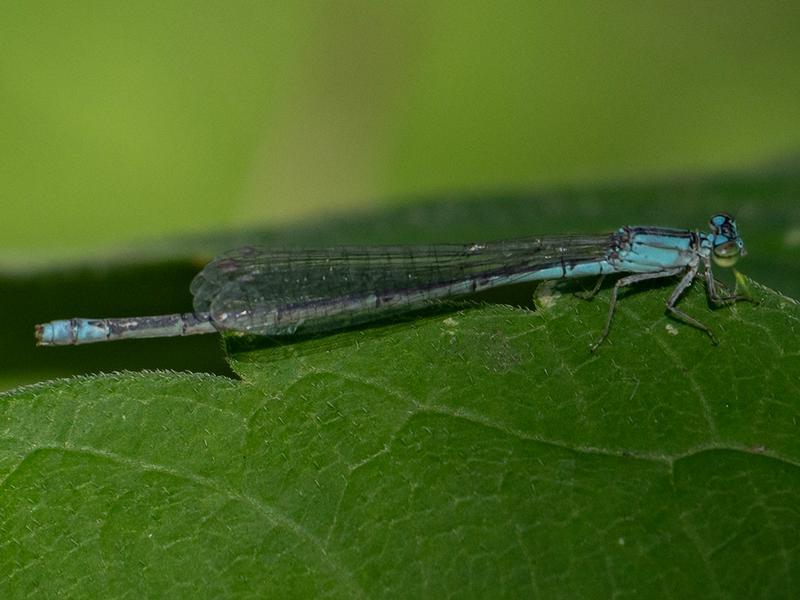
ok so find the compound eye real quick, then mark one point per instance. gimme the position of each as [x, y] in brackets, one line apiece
[720, 222]
[727, 250]
[725, 255]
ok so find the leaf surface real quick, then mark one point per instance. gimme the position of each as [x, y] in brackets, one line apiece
[153, 278]
[478, 450]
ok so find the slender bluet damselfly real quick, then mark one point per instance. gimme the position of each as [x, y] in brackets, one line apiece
[280, 291]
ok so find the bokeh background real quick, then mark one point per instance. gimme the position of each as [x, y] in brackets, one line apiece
[138, 139]
[126, 121]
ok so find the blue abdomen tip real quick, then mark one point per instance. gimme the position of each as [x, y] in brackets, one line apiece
[55, 332]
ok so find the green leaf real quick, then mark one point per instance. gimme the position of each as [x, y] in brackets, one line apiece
[474, 452]
[154, 278]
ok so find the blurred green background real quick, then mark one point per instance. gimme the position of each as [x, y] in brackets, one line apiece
[139, 139]
[134, 121]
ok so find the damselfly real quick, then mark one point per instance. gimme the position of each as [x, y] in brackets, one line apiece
[280, 291]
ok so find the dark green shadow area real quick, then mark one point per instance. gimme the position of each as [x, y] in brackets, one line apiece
[114, 291]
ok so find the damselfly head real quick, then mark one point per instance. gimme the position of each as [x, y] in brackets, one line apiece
[727, 244]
